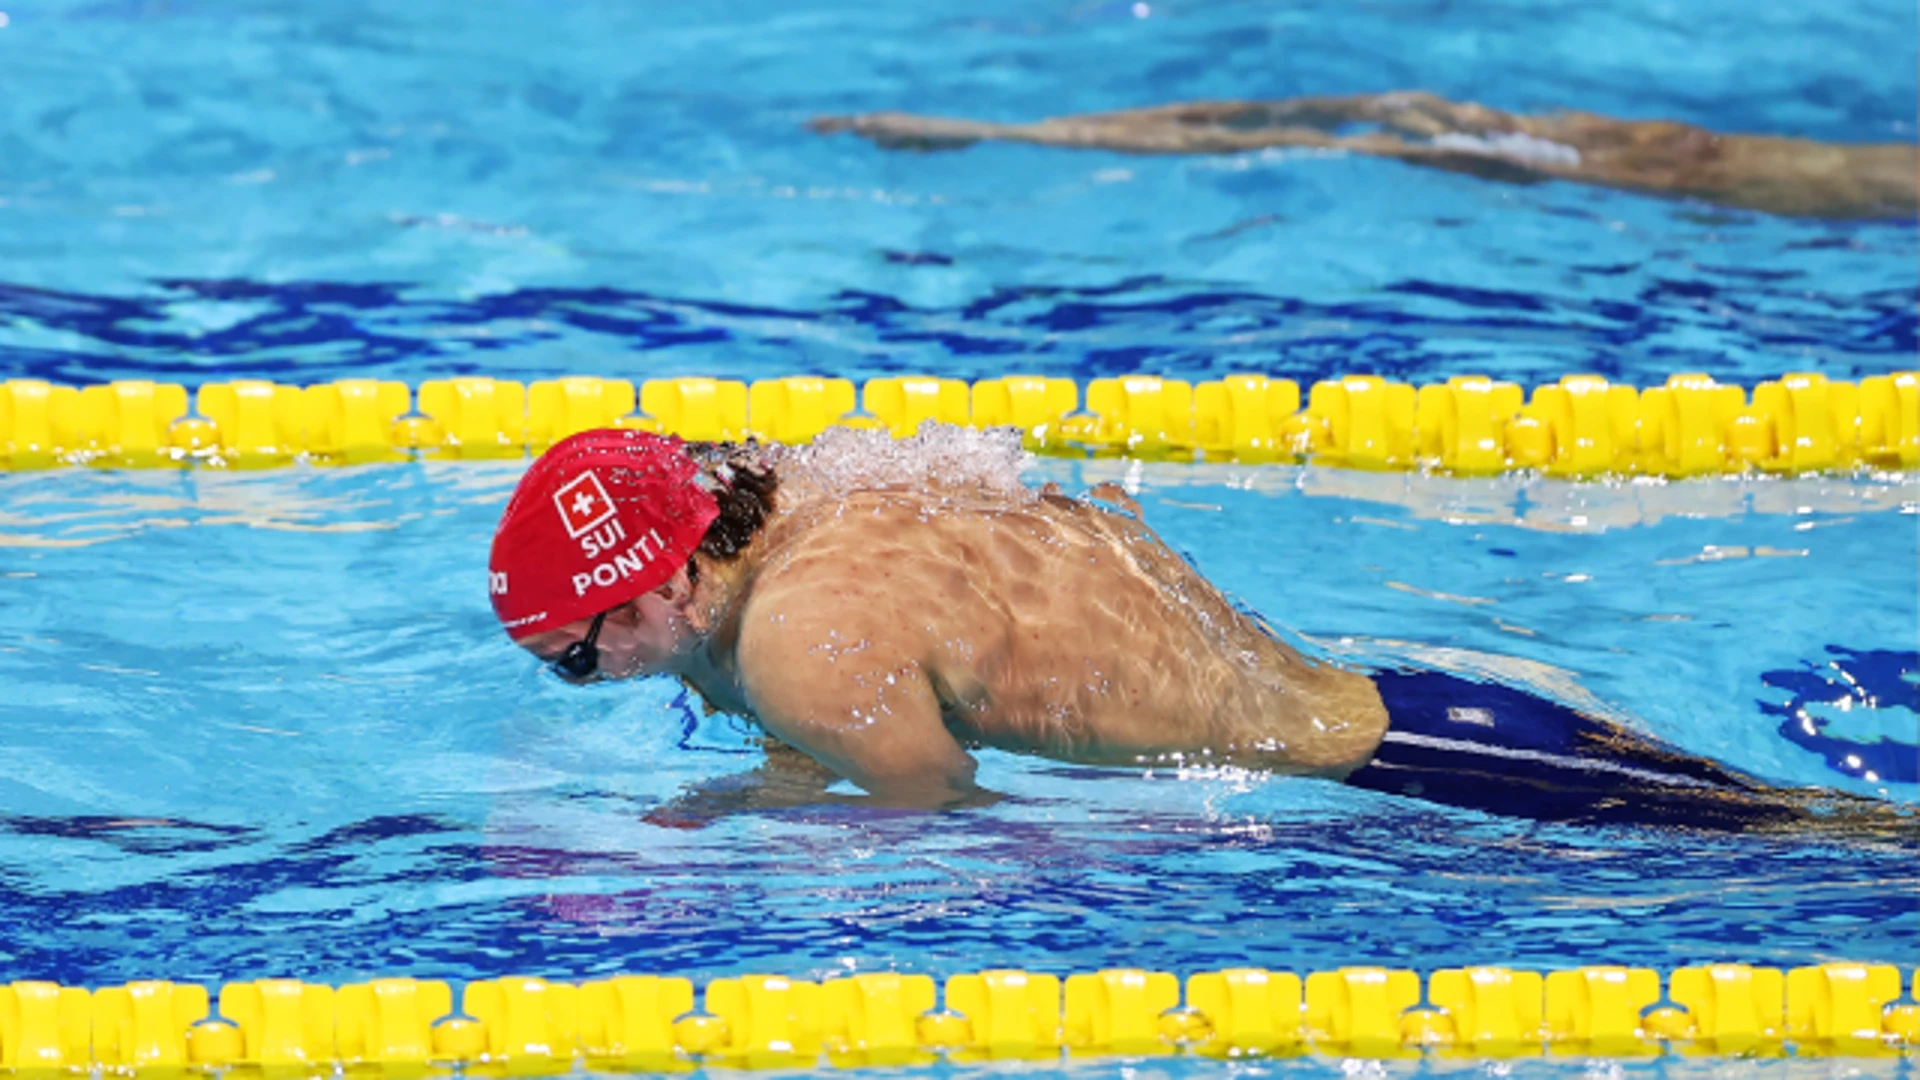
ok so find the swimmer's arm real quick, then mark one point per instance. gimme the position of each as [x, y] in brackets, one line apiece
[1142, 132]
[1777, 175]
[1222, 128]
[786, 779]
[1198, 127]
[854, 702]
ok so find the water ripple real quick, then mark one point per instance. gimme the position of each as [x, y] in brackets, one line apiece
[193, 331]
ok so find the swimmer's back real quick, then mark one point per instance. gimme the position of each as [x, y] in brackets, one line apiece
[1054, 626]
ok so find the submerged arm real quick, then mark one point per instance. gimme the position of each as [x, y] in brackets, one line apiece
[786, 779]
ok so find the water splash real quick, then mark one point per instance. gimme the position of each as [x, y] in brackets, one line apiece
[844, 460]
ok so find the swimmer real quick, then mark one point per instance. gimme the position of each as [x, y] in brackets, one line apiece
[885, 608]
[1770, 173]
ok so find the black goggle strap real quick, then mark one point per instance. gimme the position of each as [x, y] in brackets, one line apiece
[582, 658]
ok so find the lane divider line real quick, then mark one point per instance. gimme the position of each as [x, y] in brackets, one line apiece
[1582, 427]
[650, 1023]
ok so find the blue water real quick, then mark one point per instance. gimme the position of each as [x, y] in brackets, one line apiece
[306, 189]
[265, 724]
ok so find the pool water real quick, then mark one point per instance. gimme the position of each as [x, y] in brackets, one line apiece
[265, 724]
[303, 190]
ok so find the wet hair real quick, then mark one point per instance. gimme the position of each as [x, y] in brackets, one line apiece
[743, 484]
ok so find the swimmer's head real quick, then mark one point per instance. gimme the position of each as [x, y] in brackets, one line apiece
[601, 518]
[592, 565]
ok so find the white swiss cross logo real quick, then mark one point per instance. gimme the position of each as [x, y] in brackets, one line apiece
[583, 504]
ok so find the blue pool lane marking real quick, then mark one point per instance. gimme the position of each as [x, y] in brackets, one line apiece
[1853, 681]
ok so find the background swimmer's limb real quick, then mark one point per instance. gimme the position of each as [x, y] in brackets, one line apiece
[1201, 127]
[906, 131]
[1757, 172]
[1147, 131]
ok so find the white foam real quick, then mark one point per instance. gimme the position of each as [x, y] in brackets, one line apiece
[843, 460]
[1514, 145]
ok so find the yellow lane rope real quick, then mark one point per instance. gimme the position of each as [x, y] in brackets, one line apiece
[529, 1026]
[1580, 427]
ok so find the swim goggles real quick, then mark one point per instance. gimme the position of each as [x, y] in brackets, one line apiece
[582, 658]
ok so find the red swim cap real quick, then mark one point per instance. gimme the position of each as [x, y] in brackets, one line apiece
[604, 516]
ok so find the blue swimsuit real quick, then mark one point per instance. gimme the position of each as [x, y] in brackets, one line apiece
[1492, 748]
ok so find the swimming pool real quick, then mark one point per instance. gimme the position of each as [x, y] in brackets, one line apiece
[265, 724]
